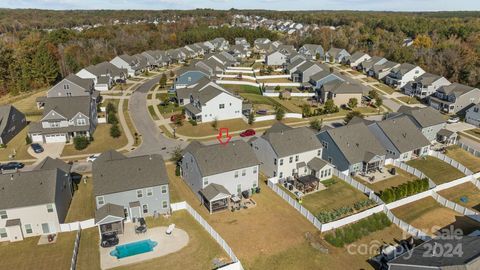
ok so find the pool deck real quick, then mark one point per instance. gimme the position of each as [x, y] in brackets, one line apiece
[166, 244]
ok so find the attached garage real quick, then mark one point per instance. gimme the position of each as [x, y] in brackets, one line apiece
[55, 138]
[37, 138]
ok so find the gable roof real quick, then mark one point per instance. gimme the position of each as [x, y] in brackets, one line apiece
[456, 88]
[31, 188]
[109, 209]
[5, 111]
[217, 158]
[356, 56]
[425, 117]
[287, 141]
[356, 142]
[87, 84]
[113, 172]
[213, 190]
[343, 87]
[49, 163]
[368, 64]
[68, 106]
[403, 68]
[427, 78]
[403, 133]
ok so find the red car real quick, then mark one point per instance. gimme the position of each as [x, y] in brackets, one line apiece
[247, 133]
[174, 118]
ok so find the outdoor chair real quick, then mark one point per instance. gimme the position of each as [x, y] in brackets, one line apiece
[170, 229]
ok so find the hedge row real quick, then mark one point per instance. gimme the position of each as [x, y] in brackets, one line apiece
[404, 190]
[351, 233]
[328, 216]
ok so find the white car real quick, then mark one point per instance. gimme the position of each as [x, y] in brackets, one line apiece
[453, 119]
[92, 158]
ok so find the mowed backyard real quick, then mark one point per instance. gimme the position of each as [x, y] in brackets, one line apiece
[198, 254]
[437, 170]
[27, 254]
[272, 235]
[396, 180]
[464, 157]
[83, 203]
[466, 194]
[429, 216]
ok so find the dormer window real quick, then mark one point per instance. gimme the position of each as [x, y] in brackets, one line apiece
[66, 86]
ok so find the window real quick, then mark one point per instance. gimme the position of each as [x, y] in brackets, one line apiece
[274, 174]
[28, 228]
[139, 193]
[254, 170]
[293, 172]
[66, 86]
[280, 175]
[3, 233]
[81, 122]
[319, 153]
[290, 159]
[54, 124]
[3, 214]
[325, 145]
[221, 106]
[281, 162]
[149, 192]
[275, 161]
[236, 174]
[244, 172]
[164, 204]
[100, 200]
[254, 184]
[321, 174]
[205, 181]
[296, 158]
[405, 155]
[145, 209]
[239, 188]
[49, 208]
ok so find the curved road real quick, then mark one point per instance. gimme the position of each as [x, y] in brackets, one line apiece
[153, 142]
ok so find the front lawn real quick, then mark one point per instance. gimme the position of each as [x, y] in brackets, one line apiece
[206, 129]
[461, 192]
[437, 170]
[83, 203]
[409, 100]
[429, 216]
[401, 177]
[27, 254]
[464, 157]
[169, 109]
[18, 146]
[385, 88]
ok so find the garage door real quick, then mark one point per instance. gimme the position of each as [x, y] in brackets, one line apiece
[53, 138]
[37, 138]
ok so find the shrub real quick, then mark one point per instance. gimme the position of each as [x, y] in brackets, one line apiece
[28, 140]
[328, 216]
[279, 113]
[177, 170]
[115, 131]
[112, 118]
[81, 142]
[111, 108]
[404, 190]
[192, 122]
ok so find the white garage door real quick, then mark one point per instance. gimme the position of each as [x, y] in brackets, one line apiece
[53, 138]
[37, 138]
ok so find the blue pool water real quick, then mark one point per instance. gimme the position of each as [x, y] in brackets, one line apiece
[133, 248]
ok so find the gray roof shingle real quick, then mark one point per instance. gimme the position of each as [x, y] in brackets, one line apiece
[109, 209]
[425, 117]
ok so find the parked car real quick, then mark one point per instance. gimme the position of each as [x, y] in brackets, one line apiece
[247, 133]
[453, 119]
[174, 118]
[262, 112]
[12, 166]
[109, 239]
[37, 148]
[92, 158]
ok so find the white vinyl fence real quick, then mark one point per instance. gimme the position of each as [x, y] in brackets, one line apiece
[351, 219]
[69, 227]
[244, 77]
[405, 226]
[456, 207]
[239, 71]
[414, 171]
[211, 231]
[76, 245]
[450, 161]
[272, 117]
[470, 149]
[354, 183]
[239, 68]
[237, 83]
[292, 84]
[266, 77]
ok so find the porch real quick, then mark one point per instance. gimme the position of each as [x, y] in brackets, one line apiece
[215, 198]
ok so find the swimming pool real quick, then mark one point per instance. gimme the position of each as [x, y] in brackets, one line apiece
[133, 248]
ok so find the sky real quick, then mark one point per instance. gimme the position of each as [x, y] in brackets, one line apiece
[387, 5]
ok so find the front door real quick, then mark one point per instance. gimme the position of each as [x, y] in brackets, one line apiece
[45, 228]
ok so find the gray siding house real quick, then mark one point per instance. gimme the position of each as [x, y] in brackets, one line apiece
[425, 85]
[303, 72]
[136, 185]
[336, 55]
[276, 58]
[352, 148]
[12, 121]
[216, 172]
[189, 75]
[427, 120]
[454, 98]
[311, 51]
[473, 115]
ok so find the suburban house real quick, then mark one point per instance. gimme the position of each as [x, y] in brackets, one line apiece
[287, 152]
[341, 92]
[132, 64]
[12, 121]
[367, 65]
[69, 110]
[347, 149]
[189, 75]
[137, 186]
[473, 115]
[242, 41]
[336, 55]
[216, 172]
[183, 94]
[401, 138]
[239, 51]
[311, 51]
[212, 102]
[33, 203]
[220, 44]
[293, 64]
[427, 120]
[104, 75]
[276, 58]
[303, 72]
[424, 257]
[454, 98]
[425, 85]
[399, 76]
[355, 59]
[325, 76]
[212, 66]
[382, 70]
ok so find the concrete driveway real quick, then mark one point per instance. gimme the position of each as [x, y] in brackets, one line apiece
[460, 126]
[153, 142]
[53, 150]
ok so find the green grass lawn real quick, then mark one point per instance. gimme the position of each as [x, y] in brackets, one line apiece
[385, 88]
[409, 100]
[335, 196]
[131, 126]
[171, 108]
[464, 157]
[394, 181]
[18, 146]
[259, 99]
[27, 254]
[151, 111]
[237, 89]
[466, 190]
[437, 170]
[83, 203]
